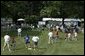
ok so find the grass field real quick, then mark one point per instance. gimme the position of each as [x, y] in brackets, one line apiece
[62, 47]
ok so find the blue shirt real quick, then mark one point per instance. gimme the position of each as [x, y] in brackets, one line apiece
[27, 38]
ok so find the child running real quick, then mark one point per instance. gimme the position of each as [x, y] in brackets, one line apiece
[27, 42]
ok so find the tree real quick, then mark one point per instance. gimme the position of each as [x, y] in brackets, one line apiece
[51, 9]
[39, 9]
[74, 8]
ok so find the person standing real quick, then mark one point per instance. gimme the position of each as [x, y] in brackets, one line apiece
[35, 40]
[57, 28]
[13, 42]
[50, 35]
[6, 42]
[68, 34]
[19, 32]
[27, 41]
[74, 35]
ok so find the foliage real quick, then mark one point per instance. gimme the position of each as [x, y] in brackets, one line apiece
[31, 9]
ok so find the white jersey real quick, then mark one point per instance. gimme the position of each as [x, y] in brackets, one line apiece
[35, 38]
[38, 26]
[82, 30]
[57, 27]
[7, 38]
[33, 26]
[50, 34]
[69, 35]
[75, 34]
[19, 30]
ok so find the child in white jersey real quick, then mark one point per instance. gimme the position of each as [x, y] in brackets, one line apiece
[50, 35]
[35, 40]
[6, 42]
[19, 32]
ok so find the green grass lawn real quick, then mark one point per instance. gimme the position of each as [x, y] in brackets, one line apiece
[62, 47]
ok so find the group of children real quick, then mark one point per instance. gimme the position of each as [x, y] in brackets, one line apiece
[71, 34]
[11, 41]
[53, 37]
[35, 40]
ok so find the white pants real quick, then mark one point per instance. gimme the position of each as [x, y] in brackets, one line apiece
[49, 39]
[6, 43]
[82, 30]
[68, 37]
[19, 34]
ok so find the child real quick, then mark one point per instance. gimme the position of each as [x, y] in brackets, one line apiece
[75, 35]
[19, 32]
[68, 36]
[13, 42]
[50, 35]
[35, 39]
[55, 35]
[7, 42]
[27, 41]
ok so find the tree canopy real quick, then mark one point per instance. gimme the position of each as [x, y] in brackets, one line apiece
[35, 10]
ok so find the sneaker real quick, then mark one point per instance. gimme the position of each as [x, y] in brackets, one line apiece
[29, 48]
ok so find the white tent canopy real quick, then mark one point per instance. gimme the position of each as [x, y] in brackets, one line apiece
[53, 19]
[46, 19]
[56, 19]
[71, 19]
[20, 19]
[60, 19]
[41, 22]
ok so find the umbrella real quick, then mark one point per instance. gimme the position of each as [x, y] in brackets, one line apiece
[21, 19]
